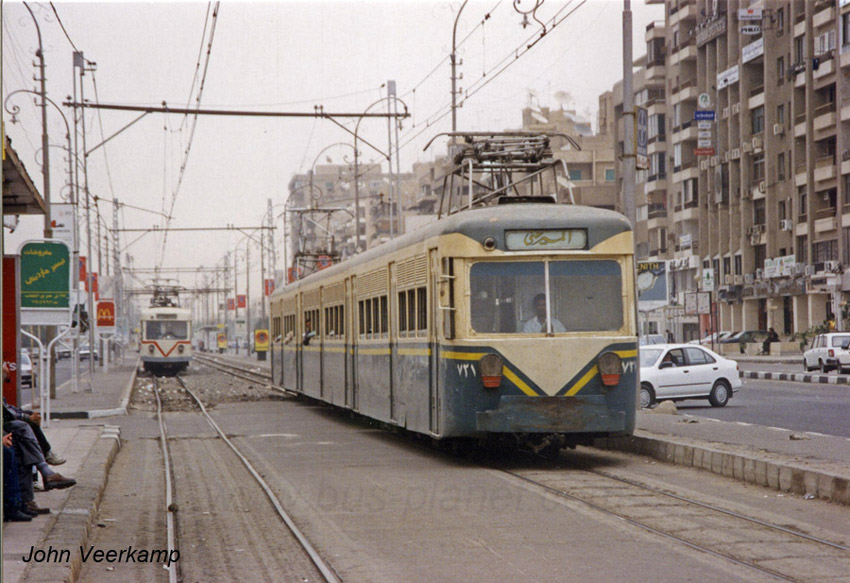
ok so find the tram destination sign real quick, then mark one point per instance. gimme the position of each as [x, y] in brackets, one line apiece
[546, 239]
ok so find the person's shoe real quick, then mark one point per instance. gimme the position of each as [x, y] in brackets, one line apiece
[57, 482]
[31, 506]
[23, 508]
[54, 459]
[16, 516]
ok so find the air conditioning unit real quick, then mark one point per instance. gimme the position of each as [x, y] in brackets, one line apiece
[778, 129]
[746, 194]
[748, 278]
[747, 146]
[727, 279]
[831, 266]
[739, 279]
[735, 153]
[757, 142]
[736, 108]
[845, 155]
[759, 273]
[715, 160]
[786, 225]
[725, 113]
[810, 270]
[726, 156]
[703, 164]
[762, 186]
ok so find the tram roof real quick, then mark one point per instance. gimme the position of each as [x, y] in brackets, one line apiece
[601, 224]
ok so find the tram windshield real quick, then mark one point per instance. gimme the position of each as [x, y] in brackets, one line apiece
[158, 330]
[511, 297]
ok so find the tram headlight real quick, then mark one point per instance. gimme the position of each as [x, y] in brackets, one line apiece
[180, 348]
[610, 369]
[150, 348]
[491, 371]
[489, 243]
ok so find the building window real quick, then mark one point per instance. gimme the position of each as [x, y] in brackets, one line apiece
[824, 251]
[759, 214]
[758, 168]
[575, 174]
[802, 249]
[799, 49]
[609, 175]
[802, 198]
[846, 179]
[781, 208]
[780, 166]
[780, 70]
[845, 235]
[845, 30]
[780, 21]
[677, 157]
[727, 266]
[758, 120]
[739, 265]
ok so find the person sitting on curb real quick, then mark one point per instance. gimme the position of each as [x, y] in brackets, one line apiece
[14, 509]
[33, 419]
[772, 336]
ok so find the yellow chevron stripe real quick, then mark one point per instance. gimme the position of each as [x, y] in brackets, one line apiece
[582, 381]
[518, 382]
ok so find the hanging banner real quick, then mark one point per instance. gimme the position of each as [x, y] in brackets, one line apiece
[269, 287]
[82, 269]
[241, 301]
[231, 304]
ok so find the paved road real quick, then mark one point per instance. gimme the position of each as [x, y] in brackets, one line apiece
[812, 407]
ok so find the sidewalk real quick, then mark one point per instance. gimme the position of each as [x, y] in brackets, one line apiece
[89, 447]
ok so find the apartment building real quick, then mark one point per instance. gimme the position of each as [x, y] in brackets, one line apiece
[757, 158]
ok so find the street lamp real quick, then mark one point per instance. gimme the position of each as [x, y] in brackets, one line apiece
[388, 156]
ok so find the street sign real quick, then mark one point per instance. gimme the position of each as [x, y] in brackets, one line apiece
[704, 101]
[704, 115]
[751, 29]
[703, 151]
[261, 340]
[45, 275]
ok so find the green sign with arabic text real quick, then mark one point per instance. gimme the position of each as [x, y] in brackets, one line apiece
[45, 275]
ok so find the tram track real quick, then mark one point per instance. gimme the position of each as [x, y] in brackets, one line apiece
[780, 552]
[322, 568]
[740, 539]
[239, 371]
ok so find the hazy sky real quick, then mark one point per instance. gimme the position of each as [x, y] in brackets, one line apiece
[283, 56]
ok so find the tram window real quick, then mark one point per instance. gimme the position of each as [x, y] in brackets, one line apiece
[587, 295]
[402, 313]
[341, 320]
[502, 294]
[158, 330]
[275, 326]
[385, 324]
[421, 310]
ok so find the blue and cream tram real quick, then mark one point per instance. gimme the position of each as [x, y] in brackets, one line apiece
[511, 319]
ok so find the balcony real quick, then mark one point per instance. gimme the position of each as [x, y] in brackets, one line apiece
[825, 117]
[825, 168]
[824, 17]
[657, 210]
[827, 67]
[826, 224]
[685, 53]
[756, 97]
[800, 177]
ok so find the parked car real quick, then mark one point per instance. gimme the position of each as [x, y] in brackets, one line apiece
[652, 339]
[25, 371]
[673, 372]
[62, 351]
[746, 337]
[85, 352]
[828, 352]
[717, 337]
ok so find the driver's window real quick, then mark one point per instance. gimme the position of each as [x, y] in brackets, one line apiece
[676, 356]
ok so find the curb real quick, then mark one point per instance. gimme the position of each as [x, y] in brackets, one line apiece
[74, 521]
[776, 474]
[799, 378]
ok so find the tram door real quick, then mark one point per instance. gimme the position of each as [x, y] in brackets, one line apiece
[351, 345]
[435, 319]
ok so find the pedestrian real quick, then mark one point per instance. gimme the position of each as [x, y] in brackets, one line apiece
[772, 336]
[670, 339]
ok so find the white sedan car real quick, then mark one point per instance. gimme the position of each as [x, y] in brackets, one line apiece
[672, 372]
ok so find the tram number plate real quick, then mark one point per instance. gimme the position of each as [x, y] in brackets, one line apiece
[546, 239]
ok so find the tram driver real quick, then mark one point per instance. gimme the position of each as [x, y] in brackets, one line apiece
[537, 324]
